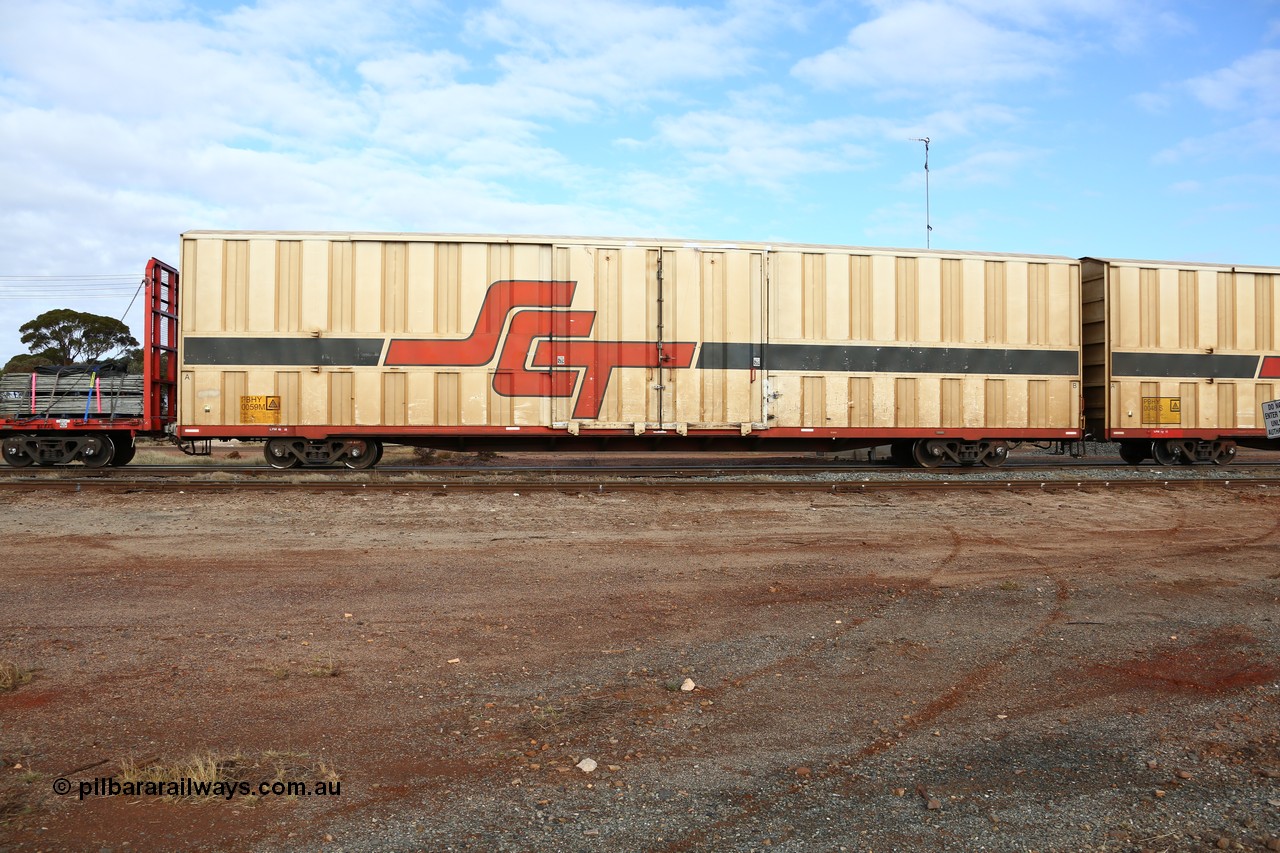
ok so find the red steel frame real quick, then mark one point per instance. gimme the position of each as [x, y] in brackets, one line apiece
[160, 348]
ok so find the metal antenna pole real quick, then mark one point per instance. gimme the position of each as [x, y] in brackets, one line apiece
[928, 223]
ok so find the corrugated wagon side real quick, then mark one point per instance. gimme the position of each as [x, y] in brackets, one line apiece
[947, 356]
[1179, 358]
[326, 345]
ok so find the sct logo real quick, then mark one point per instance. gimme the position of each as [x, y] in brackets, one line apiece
[542, 334]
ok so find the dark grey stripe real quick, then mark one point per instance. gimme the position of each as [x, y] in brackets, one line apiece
[828, 358]
[339, 352]
[1175, 365]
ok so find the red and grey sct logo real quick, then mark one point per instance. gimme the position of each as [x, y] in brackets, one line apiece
[543, 333]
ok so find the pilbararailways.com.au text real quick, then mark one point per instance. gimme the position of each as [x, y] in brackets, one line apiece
[110, 786]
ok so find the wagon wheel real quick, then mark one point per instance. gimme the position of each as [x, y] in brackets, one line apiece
[1134, 452]
[928, 454]
[1224, 453]
[279, 453]
[997, 455]
[362, 454]
[124, 453]
[1166, 452]
[14, 453]
[902, 453]
[97, 451]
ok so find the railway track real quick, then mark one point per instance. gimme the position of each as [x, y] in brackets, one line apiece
[655, 469]
[839, 479]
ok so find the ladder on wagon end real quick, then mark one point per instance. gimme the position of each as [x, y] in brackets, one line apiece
[160, 348]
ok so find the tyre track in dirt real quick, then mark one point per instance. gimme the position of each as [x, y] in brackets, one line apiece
[838, 771]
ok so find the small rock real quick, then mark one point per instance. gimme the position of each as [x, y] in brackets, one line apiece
[1152, 765]
[1159, 793]
[1223, 843]
[587, 765]
[1273, 844]
[592, 832]
[1183, 774]
[687, 685]
[328, 837]
[454, 660]
[934, 804]
[804, 772]
[898, 792]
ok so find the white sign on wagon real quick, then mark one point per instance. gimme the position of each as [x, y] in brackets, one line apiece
[1271, 415]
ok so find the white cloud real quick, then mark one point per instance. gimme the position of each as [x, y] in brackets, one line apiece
[618, 51]
[1246, 91]
[1261, 136]
[926, 47]
[930, 46]
[1250, 84]
[412, 71]
[1156, 103]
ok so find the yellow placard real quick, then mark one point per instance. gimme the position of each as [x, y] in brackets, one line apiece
[1162, 410]
[259, 409]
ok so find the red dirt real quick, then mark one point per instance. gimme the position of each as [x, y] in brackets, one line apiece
[1023, 658]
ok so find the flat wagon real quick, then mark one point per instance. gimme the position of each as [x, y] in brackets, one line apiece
[1179, 358]
[326, 345]
[93, 413]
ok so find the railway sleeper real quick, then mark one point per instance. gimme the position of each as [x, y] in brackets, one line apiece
[932, 452]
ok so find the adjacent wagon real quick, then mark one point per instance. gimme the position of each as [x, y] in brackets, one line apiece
[1179, 358]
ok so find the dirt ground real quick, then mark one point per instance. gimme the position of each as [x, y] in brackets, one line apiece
[895, 671]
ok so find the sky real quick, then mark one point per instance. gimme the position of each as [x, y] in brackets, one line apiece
[1115, 128]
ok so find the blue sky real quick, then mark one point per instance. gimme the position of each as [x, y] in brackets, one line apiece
[1126, 128]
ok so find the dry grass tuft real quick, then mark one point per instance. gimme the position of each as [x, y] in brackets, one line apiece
[326, 667]
[15, 803]
[230, 769]
[12, 675]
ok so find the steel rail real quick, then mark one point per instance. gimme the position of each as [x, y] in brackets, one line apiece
[115, 484]
[657, 470]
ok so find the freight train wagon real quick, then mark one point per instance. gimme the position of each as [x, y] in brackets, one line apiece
[93, 413]
[327, 345]
[324, 346]
[1178, 358]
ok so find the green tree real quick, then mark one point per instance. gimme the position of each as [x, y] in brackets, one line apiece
[28, 362]
[72, 336]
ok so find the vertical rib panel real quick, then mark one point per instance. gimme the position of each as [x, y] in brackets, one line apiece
[997, 329]
[908, 299]
[289, 285]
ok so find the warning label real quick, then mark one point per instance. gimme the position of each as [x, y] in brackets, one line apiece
[1271, 416]
[260, 409]
[1162, 410]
